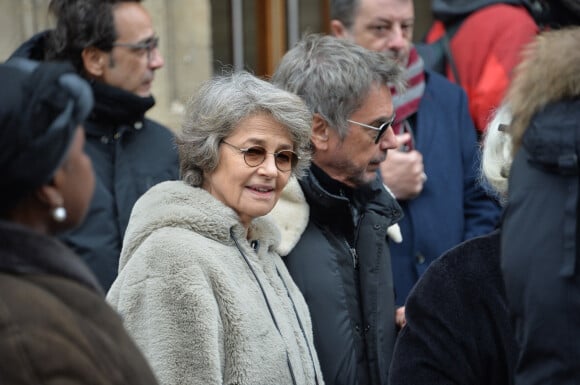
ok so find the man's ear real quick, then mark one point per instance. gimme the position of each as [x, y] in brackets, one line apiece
[337, 29]
[320, 133]
[94, 61]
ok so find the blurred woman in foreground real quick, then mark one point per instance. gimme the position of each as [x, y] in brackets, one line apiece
[55, 326]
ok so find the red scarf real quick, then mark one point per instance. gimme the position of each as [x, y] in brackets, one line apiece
[407, 103]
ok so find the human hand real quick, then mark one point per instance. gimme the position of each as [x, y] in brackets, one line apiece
[400, 320]
[404, 172]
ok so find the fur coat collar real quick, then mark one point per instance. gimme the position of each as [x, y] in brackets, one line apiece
[291, 215]
[176, 204]
[548, 73]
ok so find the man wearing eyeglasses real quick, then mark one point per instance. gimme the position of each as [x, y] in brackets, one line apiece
[434, 175]
[112, 43]
[335, 220]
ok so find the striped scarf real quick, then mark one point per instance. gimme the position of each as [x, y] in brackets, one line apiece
[407, 103]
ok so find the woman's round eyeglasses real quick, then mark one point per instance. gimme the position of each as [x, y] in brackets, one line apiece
[254, 156]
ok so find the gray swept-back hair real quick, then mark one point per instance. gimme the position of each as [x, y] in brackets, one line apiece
[496, 158]
[220, 104]
[334, 76]
[344, 11]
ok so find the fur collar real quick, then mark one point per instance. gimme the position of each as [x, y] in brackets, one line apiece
[549, 72]
[291, 215]
[179, 205]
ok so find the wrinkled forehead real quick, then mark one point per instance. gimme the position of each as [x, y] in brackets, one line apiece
[132, 22]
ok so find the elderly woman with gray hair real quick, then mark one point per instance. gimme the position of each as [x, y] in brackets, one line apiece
[458, 328]
[200, 286]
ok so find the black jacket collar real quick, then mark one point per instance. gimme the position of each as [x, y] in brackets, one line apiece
[323, 192]
[116, 106]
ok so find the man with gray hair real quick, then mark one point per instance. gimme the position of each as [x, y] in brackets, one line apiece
[433, 174]
[334, 220]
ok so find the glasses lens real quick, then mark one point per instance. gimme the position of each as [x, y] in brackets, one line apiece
[153, 43]
[285, 160]
[382, 129]
[254, 156]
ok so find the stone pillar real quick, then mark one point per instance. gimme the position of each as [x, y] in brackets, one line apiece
[184, 27]
[19, 20]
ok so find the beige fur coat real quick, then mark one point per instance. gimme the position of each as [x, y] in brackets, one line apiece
[194, 306]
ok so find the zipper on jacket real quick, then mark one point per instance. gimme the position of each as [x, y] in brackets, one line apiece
[353, 254]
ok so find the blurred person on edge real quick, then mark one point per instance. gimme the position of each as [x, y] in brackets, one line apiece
[55, 326]
[485, 73]
[540, 232]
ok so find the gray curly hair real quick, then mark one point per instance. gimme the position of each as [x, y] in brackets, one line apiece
[220, 104]
[334, 76]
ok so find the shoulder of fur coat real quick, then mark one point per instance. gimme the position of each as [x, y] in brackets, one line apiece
[178, 205]
[549, 72]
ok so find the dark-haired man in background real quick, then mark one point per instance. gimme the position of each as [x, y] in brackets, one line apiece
[112, 43]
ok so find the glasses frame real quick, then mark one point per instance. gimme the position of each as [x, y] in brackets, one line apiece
[381, 129]
[149, 45]
[244, 152]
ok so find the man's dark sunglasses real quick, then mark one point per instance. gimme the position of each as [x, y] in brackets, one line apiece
[381, 129]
